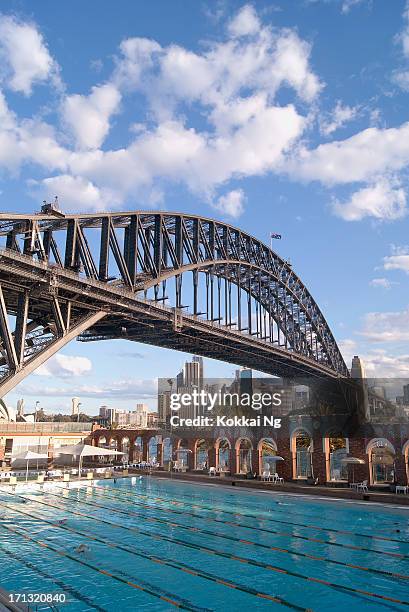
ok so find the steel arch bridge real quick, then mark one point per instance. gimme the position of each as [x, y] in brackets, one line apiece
[169, 279]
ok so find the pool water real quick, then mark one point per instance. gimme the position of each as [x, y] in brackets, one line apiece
[157, 544]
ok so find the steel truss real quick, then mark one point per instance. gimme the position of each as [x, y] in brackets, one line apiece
[173, 280]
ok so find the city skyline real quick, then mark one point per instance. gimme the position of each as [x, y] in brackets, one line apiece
[342, 215]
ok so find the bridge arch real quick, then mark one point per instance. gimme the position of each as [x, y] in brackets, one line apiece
[175, 280]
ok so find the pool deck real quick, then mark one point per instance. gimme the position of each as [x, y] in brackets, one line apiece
[288, 487]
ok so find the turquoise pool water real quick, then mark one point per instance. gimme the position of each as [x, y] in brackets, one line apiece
[159, 544]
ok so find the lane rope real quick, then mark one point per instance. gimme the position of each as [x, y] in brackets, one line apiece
[61, 553]
[279, 533]
[170, 563]
[216, 534]
[314, 527]
[252, 562]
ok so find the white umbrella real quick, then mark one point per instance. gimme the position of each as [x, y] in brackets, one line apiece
[274, 458]
[86, 450]
[353, 461]
[29, 456]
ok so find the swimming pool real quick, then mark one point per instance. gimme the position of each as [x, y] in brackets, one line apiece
[157, 544]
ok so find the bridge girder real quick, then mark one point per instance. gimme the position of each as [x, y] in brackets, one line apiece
[139, 269]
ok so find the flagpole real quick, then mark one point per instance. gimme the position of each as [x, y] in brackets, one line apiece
[274, 236]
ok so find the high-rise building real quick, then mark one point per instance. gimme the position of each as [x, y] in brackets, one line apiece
[246, 380]
[164, 406]
[406, 394]
[180, 381]
[140, 415]
[199, 361]
[108, 413]
[358, 372]
[191, 374]
[137, 418]
[152, 419]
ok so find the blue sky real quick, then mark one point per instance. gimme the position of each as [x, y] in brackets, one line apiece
[289, 117]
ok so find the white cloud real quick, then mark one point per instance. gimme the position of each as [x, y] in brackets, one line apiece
[231, 204]
[139, 389]
[24, 56]
[137, 56]
[405, 33]
[338, 118]
[386, 326]
[348, 4]
[245, 22]
[233, 84]
[399, 260]
[202, 160]
[381, 200]
[379, 364]
[65, 366]
[28, 140]
[88, 117]
[76, 193]
[292, 67]
[348, 348]
[402, 76]
[360, 158]
[174, 75]
[383, 283]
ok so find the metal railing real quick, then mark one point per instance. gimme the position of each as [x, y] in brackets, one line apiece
[41, 427]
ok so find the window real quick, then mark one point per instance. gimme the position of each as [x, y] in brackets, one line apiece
[303, 455]
[337, 452]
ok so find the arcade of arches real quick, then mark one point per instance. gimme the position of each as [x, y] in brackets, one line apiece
[302, 455]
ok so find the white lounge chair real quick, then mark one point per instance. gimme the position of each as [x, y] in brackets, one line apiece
[266, 473]
[178, 466]
[278, 479]
[212, 471]
[362, 486]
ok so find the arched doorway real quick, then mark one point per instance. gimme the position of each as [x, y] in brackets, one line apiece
[244, 450]
[223, 450]
[267, 449]
[153, 449]
[167, 452]
[138, 449]
[381, 454]
[102, 441]
[125, 446]
[201, 455]
[405, 453]
[336, 449]
[181, 454]
[301, 443]
[113, 444]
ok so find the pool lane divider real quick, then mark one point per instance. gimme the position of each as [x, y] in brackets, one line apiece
[223, 554]
[289, 551]
[65, 587]
[400, 556]
[188, 502]
[168, 562]
[61, 553]
[242, 514]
